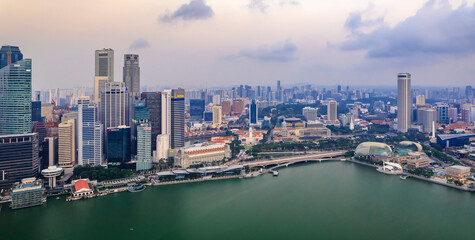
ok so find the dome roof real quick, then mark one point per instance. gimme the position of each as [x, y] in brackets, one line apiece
[373, 148]
[406, 147]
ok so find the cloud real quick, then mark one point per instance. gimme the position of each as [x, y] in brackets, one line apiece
[362, 21]
[436, 29]
[289, 2]
[280, 52]
[139, 43]
[195, 10]
[258, 5]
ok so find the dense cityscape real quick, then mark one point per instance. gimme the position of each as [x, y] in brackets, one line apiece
[250, 119]
[92, 142]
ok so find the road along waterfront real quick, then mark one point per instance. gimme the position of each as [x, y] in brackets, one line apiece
[327, 200]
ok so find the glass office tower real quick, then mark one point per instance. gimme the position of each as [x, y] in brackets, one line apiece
[15, 98]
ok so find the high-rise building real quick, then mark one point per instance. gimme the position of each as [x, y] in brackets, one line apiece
[104, 71]
[153, 102]
[141, 116]
[466, 110]
[177, 120]
[238, 106]
[18, 158]
[226, 107]
[443, 113]
[50, 152]
[217, 116]
[132, 75]
[404, 101]
[132, 80]
[332, 111]
[310, 113]
[9, 55]
[15, 98]
[197, 108]
[429, 117]
[163, 145]
[253, 112]
[66, 144]
[420, 100]
[105, 63]
[144, 148]
[279, 92]
[118, 145]
[114, 105]
[90, 135]
[36, 111]
[468, 92]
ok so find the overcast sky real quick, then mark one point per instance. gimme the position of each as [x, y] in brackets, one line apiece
[207, 43]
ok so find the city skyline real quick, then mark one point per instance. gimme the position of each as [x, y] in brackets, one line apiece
[274, 44]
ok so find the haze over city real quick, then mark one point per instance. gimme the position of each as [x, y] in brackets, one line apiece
[237, 119]
[212, 43]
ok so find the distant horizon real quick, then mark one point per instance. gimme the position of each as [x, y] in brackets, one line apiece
[212, 42]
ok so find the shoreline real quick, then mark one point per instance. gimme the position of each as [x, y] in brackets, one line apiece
[466, 189]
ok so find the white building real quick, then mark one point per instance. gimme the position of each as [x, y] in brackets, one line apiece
[163, 146]
[217, 116]
[404, 102]
[202, 153]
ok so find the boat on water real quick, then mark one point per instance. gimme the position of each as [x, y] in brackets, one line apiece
[403, 177]
[136, 188]
[275, 173]
[390, 168]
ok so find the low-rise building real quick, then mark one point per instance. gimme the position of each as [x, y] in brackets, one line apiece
[81, 188]
[418, 160]
[457, 171]
[201, 153]
[27, 193]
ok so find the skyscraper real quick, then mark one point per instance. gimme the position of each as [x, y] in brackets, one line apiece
[443, 113]
[217, 116]
[114, 105]
[404, 102]
[197, 108]
[105, 63]
[104, 71]
[310, 113]
[90, 134]
[66, 144]
[144, 148]
[15, 98]
[253, 111]
[118, 145]
[18, 158]
[332, 111]
[429, 117]
[177, 118]
[131, 77]
[153, 102]
[9, 55]
[141, 116]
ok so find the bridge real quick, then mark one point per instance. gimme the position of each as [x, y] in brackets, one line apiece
[286, 161]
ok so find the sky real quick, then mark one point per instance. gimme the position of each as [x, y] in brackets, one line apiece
[216, 43]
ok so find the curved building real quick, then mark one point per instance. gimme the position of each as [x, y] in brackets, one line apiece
[373, 148]
[406, 147]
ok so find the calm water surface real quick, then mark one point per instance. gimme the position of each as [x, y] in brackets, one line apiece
[331, 200]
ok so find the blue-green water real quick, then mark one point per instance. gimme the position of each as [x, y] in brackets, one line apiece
[332, 200]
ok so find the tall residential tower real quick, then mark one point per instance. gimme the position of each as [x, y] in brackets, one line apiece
[404, 102]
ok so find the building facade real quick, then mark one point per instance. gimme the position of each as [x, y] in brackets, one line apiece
[90, 135]
[202, 153]
[114, 105]
[15, 98]
[404, 102]
[67, 144]
[144, 148]
[118, 145]
[253, 112]
[177, 120]
[217, 116]
[19, 158]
